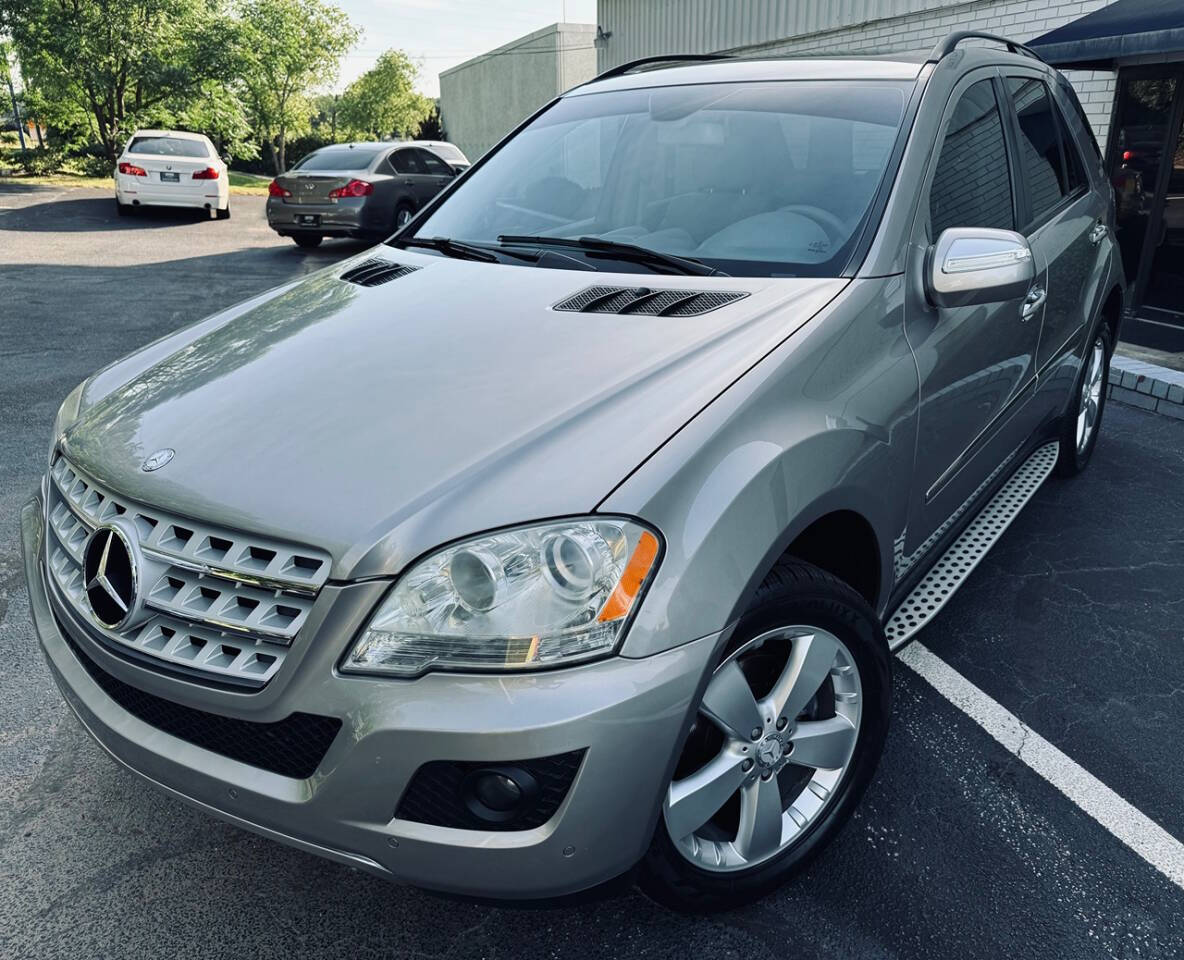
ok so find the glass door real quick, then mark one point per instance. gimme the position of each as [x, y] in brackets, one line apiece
[1144, 147]
[1165, 281]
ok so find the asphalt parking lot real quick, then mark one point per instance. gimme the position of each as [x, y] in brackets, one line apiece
[960, 849]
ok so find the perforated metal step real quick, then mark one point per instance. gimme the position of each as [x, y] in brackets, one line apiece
[957, 563]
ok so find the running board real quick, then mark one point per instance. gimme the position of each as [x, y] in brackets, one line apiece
[964, 554]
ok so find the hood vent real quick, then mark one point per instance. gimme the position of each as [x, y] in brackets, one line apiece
[648, 302]
[370, 273]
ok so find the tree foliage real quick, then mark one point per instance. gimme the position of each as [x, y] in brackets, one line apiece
[119, 61]
[383, 101]
[287, 48]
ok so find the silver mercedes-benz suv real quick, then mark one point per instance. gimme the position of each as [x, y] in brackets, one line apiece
[461, 566]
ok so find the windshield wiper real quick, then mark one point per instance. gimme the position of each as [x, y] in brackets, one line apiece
[450, 248]
[623, 251]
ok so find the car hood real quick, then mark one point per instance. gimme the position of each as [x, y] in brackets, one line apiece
[377, 422]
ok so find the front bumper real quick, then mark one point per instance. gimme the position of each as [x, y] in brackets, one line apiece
[627, 715]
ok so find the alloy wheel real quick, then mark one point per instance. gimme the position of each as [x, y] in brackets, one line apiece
[1091, 395]
[773, 738]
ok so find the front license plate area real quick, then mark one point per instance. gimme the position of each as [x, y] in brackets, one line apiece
[309, 219]
[170, 177]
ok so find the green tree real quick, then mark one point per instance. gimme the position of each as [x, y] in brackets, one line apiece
[286, 49]
[119, 60]
[383, 102]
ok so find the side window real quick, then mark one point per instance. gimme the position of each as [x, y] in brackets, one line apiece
[1074, 168]
[404, 162]
[1040, 149]
[1069, 94]
[972, 184]
[433, 164]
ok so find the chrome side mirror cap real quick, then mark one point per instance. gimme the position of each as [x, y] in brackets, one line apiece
[973, 265]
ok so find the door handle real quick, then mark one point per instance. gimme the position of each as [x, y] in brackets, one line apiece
[1032, 303]
[1097, 232]
[409, 183]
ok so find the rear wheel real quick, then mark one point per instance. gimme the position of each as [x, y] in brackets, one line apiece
[222, 214]
[308, 240]
[403, 214]
[1083, 419]
[785, 741]
[124, 209]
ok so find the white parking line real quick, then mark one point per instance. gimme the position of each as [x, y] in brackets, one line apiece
[1145, 837]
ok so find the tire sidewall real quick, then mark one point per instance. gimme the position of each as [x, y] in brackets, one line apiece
[672, 879]
[1071, 460]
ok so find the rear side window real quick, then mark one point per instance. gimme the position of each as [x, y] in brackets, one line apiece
[1069, 94]
[1040, 147]
[168, 147]
[405, 161]
[972, 184]
[433, 164]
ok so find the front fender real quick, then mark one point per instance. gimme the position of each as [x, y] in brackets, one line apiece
[826, 422]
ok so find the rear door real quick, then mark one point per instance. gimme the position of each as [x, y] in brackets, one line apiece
[440, 173]
[415, 177]
[977, 364]
[1065, 222]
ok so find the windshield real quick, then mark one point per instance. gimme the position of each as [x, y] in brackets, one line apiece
[768, 179]
[168, 147]
[339, 158]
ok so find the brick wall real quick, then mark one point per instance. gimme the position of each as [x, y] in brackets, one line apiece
[1020, 20]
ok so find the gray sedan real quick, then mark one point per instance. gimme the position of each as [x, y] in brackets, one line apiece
[364, 190]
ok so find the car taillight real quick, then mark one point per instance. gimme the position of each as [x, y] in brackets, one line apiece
[275, 190]
[355, 188]
[132, 170]
[209, 173]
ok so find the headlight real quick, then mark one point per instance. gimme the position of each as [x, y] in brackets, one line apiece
[519, 599]
[67, 414]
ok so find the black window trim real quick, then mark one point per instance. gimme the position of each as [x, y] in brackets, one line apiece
[1031, 224]
[963, 84]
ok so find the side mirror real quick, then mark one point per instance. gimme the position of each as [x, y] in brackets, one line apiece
[972, 265]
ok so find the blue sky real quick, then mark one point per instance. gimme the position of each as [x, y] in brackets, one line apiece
[442, 33]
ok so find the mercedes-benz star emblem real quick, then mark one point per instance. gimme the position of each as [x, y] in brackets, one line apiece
[158, 459]
[109, 574]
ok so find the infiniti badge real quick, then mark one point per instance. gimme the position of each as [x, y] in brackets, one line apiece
[158, 459]
[110, 577]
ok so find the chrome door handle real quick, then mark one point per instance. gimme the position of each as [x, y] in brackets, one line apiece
[1098, 232]
[1033, 302]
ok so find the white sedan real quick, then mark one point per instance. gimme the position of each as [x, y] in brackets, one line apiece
[168, 168]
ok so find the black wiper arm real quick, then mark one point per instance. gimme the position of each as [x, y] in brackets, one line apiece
[450, 248]
[626, 251]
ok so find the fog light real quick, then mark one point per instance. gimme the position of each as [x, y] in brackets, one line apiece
[499, 794]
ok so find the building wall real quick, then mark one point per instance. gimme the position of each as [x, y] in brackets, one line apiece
[482, 99]
[642, 28]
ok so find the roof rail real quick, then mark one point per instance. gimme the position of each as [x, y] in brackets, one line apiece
[669, 58]
[947, 45]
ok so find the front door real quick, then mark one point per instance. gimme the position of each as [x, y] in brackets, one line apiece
[977, 364]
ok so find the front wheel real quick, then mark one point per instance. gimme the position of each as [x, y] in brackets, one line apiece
[785, 740]
[1083, 419]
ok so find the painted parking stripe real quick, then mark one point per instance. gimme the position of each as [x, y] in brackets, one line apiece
[1145, 837]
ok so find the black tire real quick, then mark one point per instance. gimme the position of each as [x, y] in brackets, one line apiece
[307, 241]
[124, 209]
[220, 214]
[1073, 457]
[793, 593]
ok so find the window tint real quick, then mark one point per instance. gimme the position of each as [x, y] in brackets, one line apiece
[433, 164]
[168, 147]
[404, 161]
[972, 184]
[1071, 95]
[339, 158]
[1074, 170]
[1040, 151]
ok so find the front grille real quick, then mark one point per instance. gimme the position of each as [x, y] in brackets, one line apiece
[292, 747]
[647, 301]
[436, 792]
[218, 604]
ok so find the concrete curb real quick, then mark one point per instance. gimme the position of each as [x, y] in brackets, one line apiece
[1147, 385]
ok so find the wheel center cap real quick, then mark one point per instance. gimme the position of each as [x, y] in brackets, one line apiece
[768, 753]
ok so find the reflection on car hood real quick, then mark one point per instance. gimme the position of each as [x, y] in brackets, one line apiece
[378, 422]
